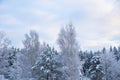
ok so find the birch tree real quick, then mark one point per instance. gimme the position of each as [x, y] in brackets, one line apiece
[30, 53]
[69, 50]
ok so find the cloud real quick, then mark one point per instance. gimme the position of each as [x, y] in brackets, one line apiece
[7, 19]
[3, 6]
[44, 15]
[96, 21]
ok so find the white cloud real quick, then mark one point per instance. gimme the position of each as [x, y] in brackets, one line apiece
[100, 23]
[7, 19]
[3, 6]
[44, 15]
[99, 7]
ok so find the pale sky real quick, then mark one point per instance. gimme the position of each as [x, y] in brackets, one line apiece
[97, 22]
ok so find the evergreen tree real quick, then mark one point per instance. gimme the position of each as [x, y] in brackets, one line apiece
[87, 64]
[12, 62]
[96, 69]
[115, 51]
[47, 67]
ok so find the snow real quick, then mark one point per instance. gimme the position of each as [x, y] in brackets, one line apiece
[85, 78]
[2, 77]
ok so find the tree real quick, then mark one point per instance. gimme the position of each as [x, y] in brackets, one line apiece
[96, 69]
[87, 63]
[107, 60]
[8, 58]
[4, 41]
[116, 53]
[12, 67]
[29, 53]
[47, 67]
[69, 50]
[115, 70]
[4, 45]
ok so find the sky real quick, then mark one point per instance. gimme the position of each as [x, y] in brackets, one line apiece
[97, 22]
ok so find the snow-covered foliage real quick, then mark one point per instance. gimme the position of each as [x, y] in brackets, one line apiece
[37, 61]
[93, 68]
[96, 70]
[69, 50]
[111, 65]
[47, 67]
[8, 64]
[7, 58]
[115, 71]
[2, 77]
[4, 41]
[29, 53]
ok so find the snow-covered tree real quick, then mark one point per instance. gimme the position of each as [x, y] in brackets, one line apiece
[4, 45]
[29, 53]
[69, 50]
[92, 68]
[87, 63]
[116, 53]
[13, 66]
[115, 71]
[110, 66]
[4, 41]
[32, 45]
[96, 69]
[8, 64]
[47, 66]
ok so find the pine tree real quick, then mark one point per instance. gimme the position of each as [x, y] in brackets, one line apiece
[47, 67]
[12, 61]
[96, 69]
[87, 63]
[116, 53]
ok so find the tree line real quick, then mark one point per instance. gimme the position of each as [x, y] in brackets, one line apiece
[40, 61]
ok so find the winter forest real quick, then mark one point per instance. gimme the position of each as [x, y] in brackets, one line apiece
[40, 61]
[59, 39]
